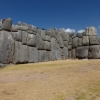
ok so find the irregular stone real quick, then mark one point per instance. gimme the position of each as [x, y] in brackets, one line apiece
[43, 36]
[75, 42]
[17, 35]
[7, 25]
[31, 40]
[21, 54]
[14, 28]
[85, 41]
[66, 43]
[90, 31]
[33, 55]
[94, 52]
[6, 47]
[60, 40]
[69, 54]
[79, 35]
[48, 38]
[65, 51]
[47, 45]
[73, 52]
[43, 56]
[82, 52]
[39, 43]
[69, 47]
[94, 40]
[79, 42]
[70, 40]
[24, 37]
[73, 36]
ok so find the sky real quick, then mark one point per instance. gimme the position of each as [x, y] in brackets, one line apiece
[72, 15]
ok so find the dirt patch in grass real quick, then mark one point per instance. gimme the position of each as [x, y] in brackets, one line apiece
[56, 80]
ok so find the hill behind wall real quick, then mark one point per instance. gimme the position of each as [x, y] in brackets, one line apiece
[24, 43]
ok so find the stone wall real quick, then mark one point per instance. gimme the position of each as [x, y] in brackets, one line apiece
[25, 43]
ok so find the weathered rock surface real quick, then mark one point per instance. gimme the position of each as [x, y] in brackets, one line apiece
[85, 41]
[7, 25]
[90, 31]
[21, 53]
[6, 47]
[82, 52]
[94, 40]
[39, 43]
[33, 55]
[31, 40]
[47, 45]
[75, 42]
[94, 52]
[24, 37]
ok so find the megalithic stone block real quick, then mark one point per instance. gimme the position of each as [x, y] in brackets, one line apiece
[94, 52]
[24, 37]
[60, 40]
[65, 51]
[66, 43]
[85, 41]
[31, 40]
[47, 45]
[94, 40]
[39, 42]
[43, 55]
[69, 54]
[33, 55]
[21, 54]
[90, 31]
[6, 47]
[79, 35]
[48, 38]
[82, 52]
[75, 42]
[79, 42]
[73, 52]
[17, 35]
[43, 36]
[7, 25]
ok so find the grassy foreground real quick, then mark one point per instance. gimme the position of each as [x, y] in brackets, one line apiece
[55, 80]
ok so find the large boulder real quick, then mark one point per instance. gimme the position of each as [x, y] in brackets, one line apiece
[94, 52]
[21, 53]
[39, 43]
[70, 40]
[85, 41]
[60, 40]
[33, 55]
[79, 42]
[6, 47]
[7, 25]
[43, 36]
[69, 54]
[43, 56]
[31, 40]
[79, 35]
[47, 45]
[48, 38]
[75, 42]
[17, 35]
[65, 52]
[66, 43]
[94, 40]
[24, 37]
[90, 31]
[82, 52]
[73, 52]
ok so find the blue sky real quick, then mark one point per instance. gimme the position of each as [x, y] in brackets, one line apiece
[73, 14]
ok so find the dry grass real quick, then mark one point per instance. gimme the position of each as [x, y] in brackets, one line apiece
[57, 80]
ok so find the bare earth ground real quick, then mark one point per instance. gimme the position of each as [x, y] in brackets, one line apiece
[55, 80]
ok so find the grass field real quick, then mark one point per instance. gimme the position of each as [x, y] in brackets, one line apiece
[55, 80]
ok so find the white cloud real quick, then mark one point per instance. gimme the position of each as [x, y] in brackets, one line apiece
[99, 27]
[69, 30]
[81, 31]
